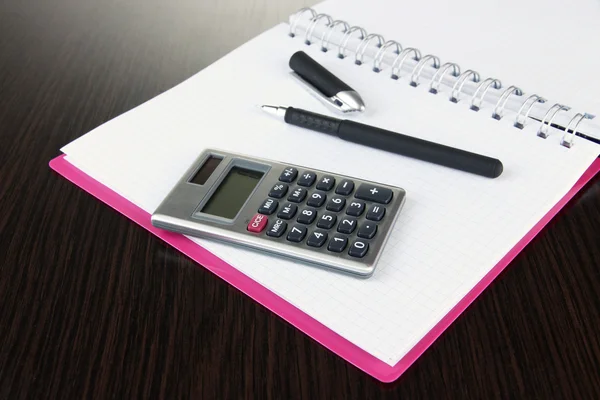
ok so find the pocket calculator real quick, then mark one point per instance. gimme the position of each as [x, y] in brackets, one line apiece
[318, 217]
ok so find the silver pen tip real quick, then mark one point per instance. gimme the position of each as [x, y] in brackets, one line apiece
[274, 110]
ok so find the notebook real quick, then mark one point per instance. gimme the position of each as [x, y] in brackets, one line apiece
[457, 231]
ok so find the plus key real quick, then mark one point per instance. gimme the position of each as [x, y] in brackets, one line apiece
[374, 193]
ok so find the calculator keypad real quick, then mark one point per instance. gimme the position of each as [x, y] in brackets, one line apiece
[307, 179]
[307, 216]
[316, 199]
[376, 213]
[287, 211]
[268, 207]
[343, 221]
[317, 238]
[337, 244]
[297, 233]
[374, 193]
[326, 183]
[336, 203]
[345, 187]
[288, 175]
[276, 228]
[279, 190]
[297, 195]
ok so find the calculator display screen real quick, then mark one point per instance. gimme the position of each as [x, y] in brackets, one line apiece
[232, 193]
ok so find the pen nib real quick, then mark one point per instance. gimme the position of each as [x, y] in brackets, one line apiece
[274, 110]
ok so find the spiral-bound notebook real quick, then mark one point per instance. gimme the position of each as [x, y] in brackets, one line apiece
[457, 231]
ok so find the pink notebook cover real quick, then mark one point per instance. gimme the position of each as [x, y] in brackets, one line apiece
[287, 311]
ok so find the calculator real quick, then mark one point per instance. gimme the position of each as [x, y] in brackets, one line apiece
[316, 217]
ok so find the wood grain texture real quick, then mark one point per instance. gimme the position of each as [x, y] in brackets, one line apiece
[93, 306]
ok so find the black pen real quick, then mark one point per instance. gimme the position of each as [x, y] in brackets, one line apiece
[390, 141]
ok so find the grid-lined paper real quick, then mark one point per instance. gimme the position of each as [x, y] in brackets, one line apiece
[453, 229]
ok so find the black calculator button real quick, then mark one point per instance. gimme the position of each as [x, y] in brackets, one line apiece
[297, 233]
[279, 190]
[367, 230]
[347, 225]
[374, 193]
[317, 238]
[307, 216]
[307, 179]
[287, 211]
[358, 248]
[297, 195]
[317, 199]
[326, 183]
[337, 244]
[336, 203]
[376, 213]
[356, 208]
[276, 228]
[327, 221]
[268, 207]
[345, 187]
[288, 175]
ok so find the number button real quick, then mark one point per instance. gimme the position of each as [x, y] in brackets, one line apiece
[307, 216]
[327, 221]
[307, 179]
[276, 228]
[326, 183]
[268, 207]
[337, 244]
[297, 195]
[279, 190]
[317, 238]
[288, 175]
[358, 249]
[345, 187]
[374, 193]
[367, 230]
[355, 208]
[347, 225]
[316, 199]
[376, 213]
[297, 233]
[288, 211]
[336, 204]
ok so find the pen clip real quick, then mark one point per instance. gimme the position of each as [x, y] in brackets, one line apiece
[346, 101]
[324, 85]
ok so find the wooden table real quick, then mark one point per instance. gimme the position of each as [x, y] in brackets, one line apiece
[93, 306]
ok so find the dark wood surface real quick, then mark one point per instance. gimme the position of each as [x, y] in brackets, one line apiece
[93, 306]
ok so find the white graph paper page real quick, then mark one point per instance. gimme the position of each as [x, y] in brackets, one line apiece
[454, 227]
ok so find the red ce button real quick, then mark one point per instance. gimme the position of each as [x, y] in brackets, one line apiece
[257, 223]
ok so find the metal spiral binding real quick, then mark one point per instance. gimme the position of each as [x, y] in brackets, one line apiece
[485, 85]
[568, 143]
[402, 55]
[555, 109]
[313, 23]
[362, 47]
[439, 75]
[381, 52]
[460, 82]
[398, 61]
[414, 78]
[499, 108]
[534, 98]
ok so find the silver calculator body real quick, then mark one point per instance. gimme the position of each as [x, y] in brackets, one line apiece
[317, 217]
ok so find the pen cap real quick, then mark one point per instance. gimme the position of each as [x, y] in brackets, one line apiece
[317, 75]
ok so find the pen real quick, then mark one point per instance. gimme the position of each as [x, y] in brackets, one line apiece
[390, 141]
[324, 85]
